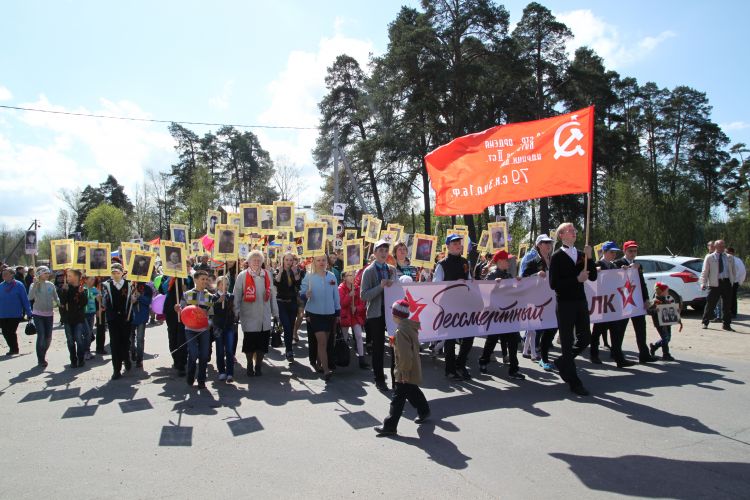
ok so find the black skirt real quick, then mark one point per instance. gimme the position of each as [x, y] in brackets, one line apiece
[319, 323]
[256, 341]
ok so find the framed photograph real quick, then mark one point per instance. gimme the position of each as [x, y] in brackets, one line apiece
[338, 210]
[390, 236]
[423, 251]
[31, 245]
[213, 217]
[315, 238]
[668, 314]
[250, 213]
[363, 224]
[266, 219]
[234, 219]
[460, 227]
[243, 249]
[599, 251]
[398, 229]
[173, 259]
[98, 261]
[483, 241]
[373, 229]
[522, 249]
[498, 236]
[141, 266]
[196, 247]
[227, 242]
[283, 214]
[353, 254]
[553, 235]
[126, 251]
[350, 234]
[146, 247]
[299, 223]
[330, 221]
[284, 237]
[61, 254]
[178, 233]
[300, 250]
[271, 253]
[81, 254]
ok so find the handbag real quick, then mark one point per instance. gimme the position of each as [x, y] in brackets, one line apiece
[276, 333]
[30, 328]
[341, 349]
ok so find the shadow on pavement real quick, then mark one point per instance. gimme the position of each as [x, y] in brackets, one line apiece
[654, 477]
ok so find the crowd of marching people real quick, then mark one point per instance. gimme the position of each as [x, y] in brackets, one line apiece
[268, 302]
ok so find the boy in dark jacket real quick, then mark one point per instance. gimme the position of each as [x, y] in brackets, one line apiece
[407, 371]
[502, 272]
[73, 302]
[117, 301]
[224, 330]
[142, 295]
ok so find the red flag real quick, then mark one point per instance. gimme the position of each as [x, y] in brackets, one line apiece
[155, 242]
[208, 242]
[514, 162]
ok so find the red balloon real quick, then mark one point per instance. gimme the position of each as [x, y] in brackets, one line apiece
[194, 318]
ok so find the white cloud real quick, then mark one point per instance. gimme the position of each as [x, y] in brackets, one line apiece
[293, 100]
[5, 94]
[616, 49]
[69, 151]
[221, 101]
[737, 125]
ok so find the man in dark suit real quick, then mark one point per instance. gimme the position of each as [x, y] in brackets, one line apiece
[630, 248]
[568, 271]
[607, 262]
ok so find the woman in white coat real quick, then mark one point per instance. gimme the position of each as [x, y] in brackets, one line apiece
[255, 306]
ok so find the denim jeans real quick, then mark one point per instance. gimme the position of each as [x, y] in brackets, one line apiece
[75, 334]
[198, 344]
[226, 339]
[137, 338]
[43, 326]
[91, 333]
[288, 316]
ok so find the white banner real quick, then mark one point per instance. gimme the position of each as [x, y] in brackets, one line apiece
[455, 309]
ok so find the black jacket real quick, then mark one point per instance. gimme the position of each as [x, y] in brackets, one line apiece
[563, 275]
[534, 266]
[455, 267]
[73, 301]
[284, 291]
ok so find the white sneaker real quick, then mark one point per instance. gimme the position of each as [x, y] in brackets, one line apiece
[230, 379]
[222, 376]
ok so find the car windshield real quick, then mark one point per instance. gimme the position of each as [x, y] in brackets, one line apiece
[694, 265]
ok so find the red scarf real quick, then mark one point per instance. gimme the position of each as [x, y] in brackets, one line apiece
[249, 295]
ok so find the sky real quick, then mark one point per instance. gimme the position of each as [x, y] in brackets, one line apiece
[264, 63]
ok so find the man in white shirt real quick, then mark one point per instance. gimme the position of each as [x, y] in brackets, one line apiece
[718, 277]
[740, 274]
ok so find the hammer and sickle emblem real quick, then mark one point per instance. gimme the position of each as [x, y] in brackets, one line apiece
[575, 135]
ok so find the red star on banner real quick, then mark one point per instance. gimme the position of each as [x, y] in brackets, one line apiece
[415, 308]
[627, 296]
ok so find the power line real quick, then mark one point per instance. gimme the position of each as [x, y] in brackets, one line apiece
[153, 120]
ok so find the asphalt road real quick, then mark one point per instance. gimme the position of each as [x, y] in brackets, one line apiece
[668, 430]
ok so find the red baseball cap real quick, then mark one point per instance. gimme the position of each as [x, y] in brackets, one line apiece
[629, 244]
[501, 255]
[661, 286]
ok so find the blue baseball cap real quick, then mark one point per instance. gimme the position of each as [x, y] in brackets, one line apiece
[610, 245]
[453, 237]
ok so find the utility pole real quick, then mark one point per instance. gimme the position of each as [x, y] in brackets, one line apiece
[336, 165]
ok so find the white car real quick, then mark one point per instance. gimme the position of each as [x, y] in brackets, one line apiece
[681, 274]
